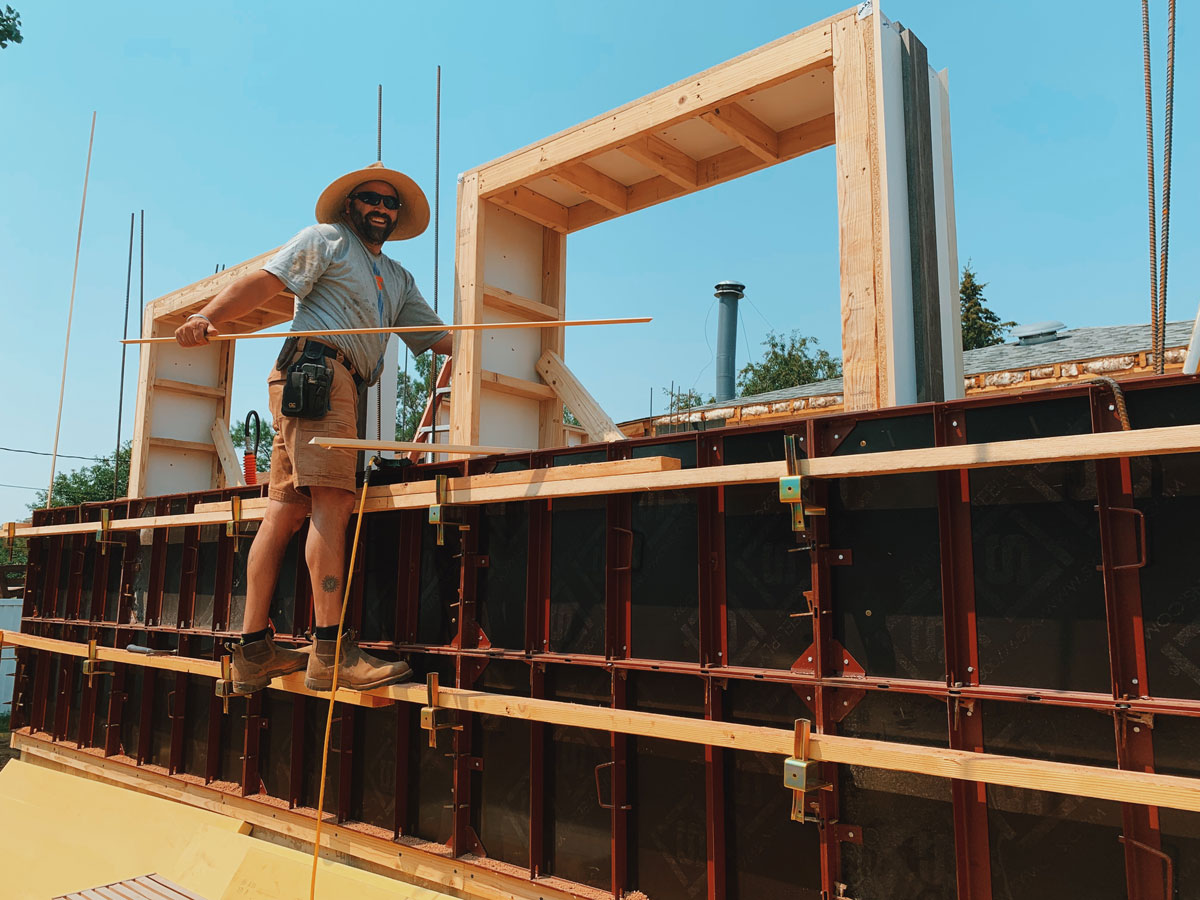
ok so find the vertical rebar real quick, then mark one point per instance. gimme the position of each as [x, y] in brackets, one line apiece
[121, 390]
[437, 203]
[1150, 189]
[1161, 323]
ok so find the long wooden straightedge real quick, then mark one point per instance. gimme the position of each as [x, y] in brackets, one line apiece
[405, 329]
[1145, 788]
[361, 444]
[664, 474]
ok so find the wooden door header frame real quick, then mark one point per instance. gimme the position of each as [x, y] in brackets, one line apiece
[716, 97]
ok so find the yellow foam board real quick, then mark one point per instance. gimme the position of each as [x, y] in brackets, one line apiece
[72, 833]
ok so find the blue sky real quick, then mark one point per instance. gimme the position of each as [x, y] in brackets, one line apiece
[224, 121]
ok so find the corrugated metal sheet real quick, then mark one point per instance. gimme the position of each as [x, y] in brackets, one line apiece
[147, 887]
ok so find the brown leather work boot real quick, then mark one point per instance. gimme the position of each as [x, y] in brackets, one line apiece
[256, 663]
[358, 671]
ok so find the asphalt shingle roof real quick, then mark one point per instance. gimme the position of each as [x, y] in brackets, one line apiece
[1071, 344]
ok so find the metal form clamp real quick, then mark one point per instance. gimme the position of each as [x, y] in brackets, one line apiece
[442, 513]
[224, 687]
[796, 490]
[91, 665]
[434, 717]
[801, 775]
[104, 532]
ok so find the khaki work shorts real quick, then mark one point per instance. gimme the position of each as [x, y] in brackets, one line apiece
[297, 465]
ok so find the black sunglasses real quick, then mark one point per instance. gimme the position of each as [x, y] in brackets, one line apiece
[370, 198]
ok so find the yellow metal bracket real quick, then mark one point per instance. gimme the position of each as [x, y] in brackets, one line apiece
[434, 717]
[224, 688]
[235, 519]
[104, 532]
[442, 513]
[795, 489]
[91, 665]
[801, 775]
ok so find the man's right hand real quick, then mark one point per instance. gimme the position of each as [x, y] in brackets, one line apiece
[195, 332]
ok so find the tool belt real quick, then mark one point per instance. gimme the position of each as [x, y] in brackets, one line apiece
[309, 383]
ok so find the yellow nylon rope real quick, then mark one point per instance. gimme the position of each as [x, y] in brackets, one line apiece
[337, 656]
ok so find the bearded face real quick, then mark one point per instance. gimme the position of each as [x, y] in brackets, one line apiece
[373, 221]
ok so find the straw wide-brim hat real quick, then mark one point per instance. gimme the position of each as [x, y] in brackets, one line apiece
[414, 208]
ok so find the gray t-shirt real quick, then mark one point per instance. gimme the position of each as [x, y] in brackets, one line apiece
[333, 276]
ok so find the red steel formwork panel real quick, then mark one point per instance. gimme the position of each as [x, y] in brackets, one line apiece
[1048, 611]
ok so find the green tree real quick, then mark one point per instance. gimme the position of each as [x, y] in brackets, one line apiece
[10, 27]
[412, 395]
[679, 399]
[788, 361]
[980, 326]
[89, 484]
[266, 436]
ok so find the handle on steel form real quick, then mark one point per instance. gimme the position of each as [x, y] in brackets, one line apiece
[600, 794]
[1141, 519]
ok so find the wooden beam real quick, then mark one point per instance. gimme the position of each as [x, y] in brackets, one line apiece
[468, 303]
[410, 862]
[576, 397]
[211, 668]
[185, 387]
[737, 123]
[173, 444]
[518, 387]
[200, 292]
[231, 466]
[534, 206]
[771, 64]
[667, 160]
[554, 295]
[359, 444]
[594, 185]
[584, 480]
[498, 298]
[864, 314]
[717, 169]
[1126, 786]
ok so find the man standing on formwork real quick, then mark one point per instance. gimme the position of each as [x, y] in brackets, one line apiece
[342, 280]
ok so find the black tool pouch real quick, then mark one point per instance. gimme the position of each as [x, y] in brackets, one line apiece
[309, 383]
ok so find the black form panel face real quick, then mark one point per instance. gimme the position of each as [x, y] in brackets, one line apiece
[502, 818]
[1166, 491]
[436, 620]
[665, 588]
[888, 601]
[504, 539]
[1039, 596]
[767, 854]
[578, 830]
[383, 562]
[765, 580]
[577, 559]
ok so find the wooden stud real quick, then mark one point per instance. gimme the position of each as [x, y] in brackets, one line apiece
[781, 60]
[173, 444]
[736, 123]
[231, 466]
[864, 339]
[596, 186]
[183, 387]
[533, 205]
[507, 301]
[591, 415]
[667, 160]
[469, 289]
[554, 295]
[518, 387]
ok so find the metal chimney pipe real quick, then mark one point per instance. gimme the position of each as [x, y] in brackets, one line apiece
[729, 293]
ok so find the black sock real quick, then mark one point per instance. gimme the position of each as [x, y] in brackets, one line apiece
[325, 632]
[251, 636]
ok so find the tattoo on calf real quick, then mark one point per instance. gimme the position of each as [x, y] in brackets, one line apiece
[330, 583]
